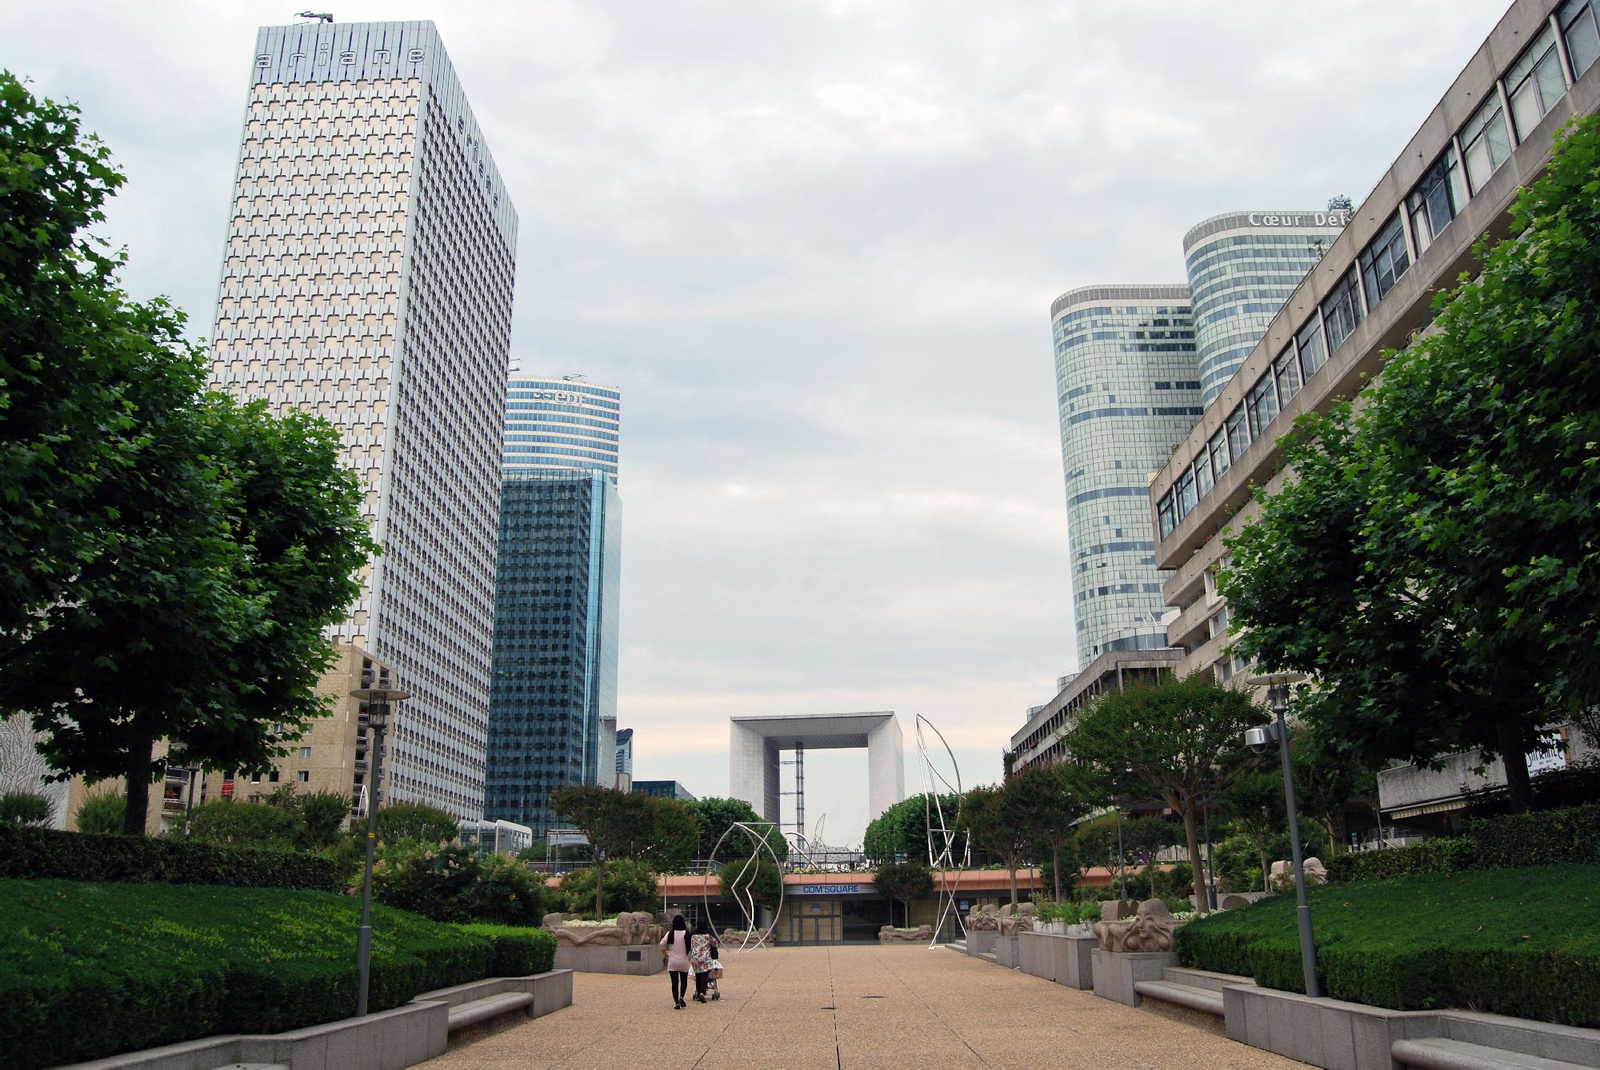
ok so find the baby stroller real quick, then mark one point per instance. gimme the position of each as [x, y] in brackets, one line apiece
[712, 975]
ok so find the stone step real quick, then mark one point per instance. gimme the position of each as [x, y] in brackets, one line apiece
[1438, 1053]
[1197, 999]
[989, 956]
[481, 1010]
[1207, 979]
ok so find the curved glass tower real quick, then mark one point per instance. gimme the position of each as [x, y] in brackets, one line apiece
[557, 589]
[1242, 268]
[1129, 392]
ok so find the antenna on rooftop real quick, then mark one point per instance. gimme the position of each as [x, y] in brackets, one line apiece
[325, 16]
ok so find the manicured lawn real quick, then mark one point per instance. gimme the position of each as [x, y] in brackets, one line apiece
[95, 969]
[1524, 942]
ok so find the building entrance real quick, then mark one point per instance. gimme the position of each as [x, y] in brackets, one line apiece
[862, 918]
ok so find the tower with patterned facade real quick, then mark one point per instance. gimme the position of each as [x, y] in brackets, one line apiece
[368, 275]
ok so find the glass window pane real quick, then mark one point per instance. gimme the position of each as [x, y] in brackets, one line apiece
[1185, 493]
[1341, 311]
[1164, 518]
[1238, 434]
[1309, 343]
[1578, 27]
[1287, 370]
[1262, 405]
[1485, 142]
[1219, 454]
[1202, 476]
[1384, 261]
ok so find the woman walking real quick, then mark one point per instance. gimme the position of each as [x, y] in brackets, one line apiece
[702, 954]
[675, 953]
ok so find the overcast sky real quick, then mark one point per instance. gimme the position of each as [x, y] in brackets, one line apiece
[815, 246]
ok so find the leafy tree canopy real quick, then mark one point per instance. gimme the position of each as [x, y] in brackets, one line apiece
[416, 821]
[905, 881]
[715, 816]
[901, 831]
[1433, 561]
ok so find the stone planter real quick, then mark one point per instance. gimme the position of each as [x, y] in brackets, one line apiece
[1116, 972]
[981, 943]
[1034, 954]
[1005, 951]
[640, 960]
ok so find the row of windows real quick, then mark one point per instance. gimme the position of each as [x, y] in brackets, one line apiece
[1530, 86]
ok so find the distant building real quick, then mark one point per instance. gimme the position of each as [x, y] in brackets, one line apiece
[663, 789]
[553, 703]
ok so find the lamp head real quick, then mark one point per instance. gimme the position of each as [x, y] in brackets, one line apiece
[377, 700]
[1258, 738]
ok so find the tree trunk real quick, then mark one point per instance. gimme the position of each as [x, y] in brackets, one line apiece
[1011, 865]
[1518, 783]
[1202, 900]
[599, 885]
[138, 788]
[1055, 867]
[1261, 849]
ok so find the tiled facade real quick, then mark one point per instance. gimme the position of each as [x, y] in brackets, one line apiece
[1371, 292]
[368, 277]
[1128, 392]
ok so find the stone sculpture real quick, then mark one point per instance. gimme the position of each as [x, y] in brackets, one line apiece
[1019, 920]
[983, 919]
[889, 934]
[1282, 875]
[631, 929]
[1150, 929]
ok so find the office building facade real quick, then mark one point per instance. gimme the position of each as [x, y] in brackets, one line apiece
[1128, 391]
[368, 278]
[1242, 266]
[553, 707]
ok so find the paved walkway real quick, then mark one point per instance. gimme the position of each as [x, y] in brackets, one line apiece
[844, 1008]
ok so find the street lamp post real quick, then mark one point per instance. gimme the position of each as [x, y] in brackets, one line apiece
[376, 700]
[1278, 700]
[1122, 858]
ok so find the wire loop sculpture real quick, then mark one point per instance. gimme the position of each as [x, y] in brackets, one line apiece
[943, 829]
[756, 833]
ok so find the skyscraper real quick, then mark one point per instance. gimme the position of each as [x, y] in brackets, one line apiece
[1128, 390]
[553, 705]
[368, 277]
[1242, 267]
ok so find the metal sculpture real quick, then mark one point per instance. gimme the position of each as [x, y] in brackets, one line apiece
[945, 832]
[756, 832]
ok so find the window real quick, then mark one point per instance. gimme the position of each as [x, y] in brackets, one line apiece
[1485, 143]
[1578, 29]
[1183, 492]
[1262, 404]
[1219, 454]
[1384, 261]
[1238, 434]
[1286, 369]
[1534, 83]
[1202, 476]
[303, 776]
[305, 752]
[1309, 343]
[1341, 310]
[1436, 200]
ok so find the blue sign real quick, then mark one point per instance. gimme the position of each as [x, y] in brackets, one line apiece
[833, 889]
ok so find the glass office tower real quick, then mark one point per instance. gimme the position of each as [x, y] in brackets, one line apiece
[557, 591]
[1242, 267]
[367, 277]
[1128, 388]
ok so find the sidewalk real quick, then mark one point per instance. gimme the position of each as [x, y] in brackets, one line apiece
[844, 1008]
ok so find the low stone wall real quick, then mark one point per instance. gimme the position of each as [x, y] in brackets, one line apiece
[981, 943]
[1034, 955]
[639, 960]
[388, 1040]
[1116, 972]
[1066, 960]
[1006, 953]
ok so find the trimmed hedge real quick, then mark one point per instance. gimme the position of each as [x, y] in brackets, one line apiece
[96, 969]
[50, 854]
[517, 952]
[1523, 942]
[1542, 838]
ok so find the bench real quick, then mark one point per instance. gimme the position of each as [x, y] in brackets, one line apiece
[481, 1010]
[1438, 1053]
[1196, 999]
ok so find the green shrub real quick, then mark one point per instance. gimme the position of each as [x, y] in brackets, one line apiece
[1549, 837]
[233, 823]
[37, 853]
[101, 814]
[630, 885]
[25, 808]
[1430, 856]
[456, 884]
[516, 951]
[416, 821]
[97, 969]
[1523, 942]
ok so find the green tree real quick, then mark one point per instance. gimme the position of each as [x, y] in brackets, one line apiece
[615, 822]
[714, 816]
[416, 821]
[322, 817]
[630, 885]
[904, 881]
[667, 834]
[901, 831]
[103, 814]
[1444, 594]
[1178, 739]
[1043, 801]
[181, 587]
[25, 808]
[760, 880]
[996, 828]
[1257, 812]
